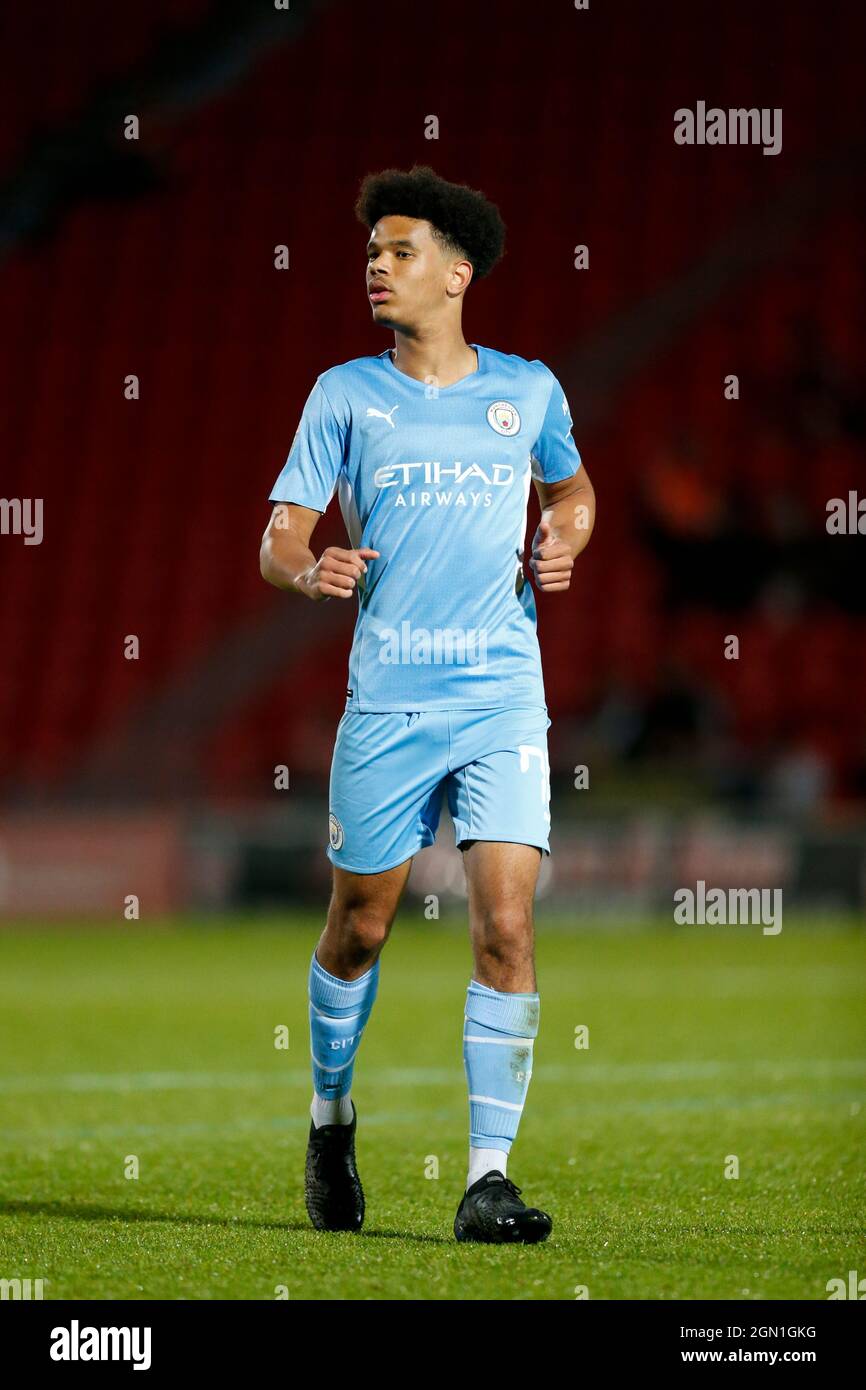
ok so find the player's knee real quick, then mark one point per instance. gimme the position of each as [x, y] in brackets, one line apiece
[506, 932]
[361, 929]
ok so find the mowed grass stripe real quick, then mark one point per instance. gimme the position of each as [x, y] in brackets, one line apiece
[582, 1073]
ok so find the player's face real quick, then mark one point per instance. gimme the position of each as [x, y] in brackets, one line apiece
[407, 274]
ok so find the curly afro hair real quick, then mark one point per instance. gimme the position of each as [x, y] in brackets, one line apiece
[464, 222]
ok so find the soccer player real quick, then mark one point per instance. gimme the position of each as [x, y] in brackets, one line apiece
[431, 447]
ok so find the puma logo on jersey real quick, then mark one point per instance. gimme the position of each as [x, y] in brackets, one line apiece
[371, 410]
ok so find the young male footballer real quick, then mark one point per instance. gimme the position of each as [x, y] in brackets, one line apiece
[431, 446]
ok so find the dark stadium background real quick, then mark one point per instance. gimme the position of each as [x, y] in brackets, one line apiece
[155, 257]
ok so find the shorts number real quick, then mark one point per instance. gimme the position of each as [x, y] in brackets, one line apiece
[527, 752]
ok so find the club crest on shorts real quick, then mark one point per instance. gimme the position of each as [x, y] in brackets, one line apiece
[335, 831]
[503, 417]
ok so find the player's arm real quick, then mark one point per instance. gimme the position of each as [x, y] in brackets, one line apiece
[567, 519]
[287, 562]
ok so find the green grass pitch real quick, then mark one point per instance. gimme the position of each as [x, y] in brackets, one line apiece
[703, 1043]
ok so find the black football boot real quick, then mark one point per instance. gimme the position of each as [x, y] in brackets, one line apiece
[491, 1211]
[332, 1188]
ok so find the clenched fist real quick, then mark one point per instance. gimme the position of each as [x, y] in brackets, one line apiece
[551, 562]
[336, 574]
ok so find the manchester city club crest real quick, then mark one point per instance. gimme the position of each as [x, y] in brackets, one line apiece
[336, 832]
[503, 417]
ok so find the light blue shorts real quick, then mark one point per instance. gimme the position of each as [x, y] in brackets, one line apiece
[390, 772]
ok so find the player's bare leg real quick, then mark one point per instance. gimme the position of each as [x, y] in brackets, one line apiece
[502, 1010]
[501, 880]
[360, 917]
[343, 981]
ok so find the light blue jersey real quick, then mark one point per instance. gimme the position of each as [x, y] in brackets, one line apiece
[436, 480]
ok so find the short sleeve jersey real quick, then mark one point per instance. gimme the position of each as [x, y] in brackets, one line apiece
[437, 480]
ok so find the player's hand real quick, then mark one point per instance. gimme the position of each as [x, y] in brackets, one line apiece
[551, 562]
[336, 574]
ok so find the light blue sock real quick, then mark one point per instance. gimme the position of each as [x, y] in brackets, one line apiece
[497, 1051]
[339, 1010]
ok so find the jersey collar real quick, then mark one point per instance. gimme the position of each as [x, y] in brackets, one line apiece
[423, 385]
